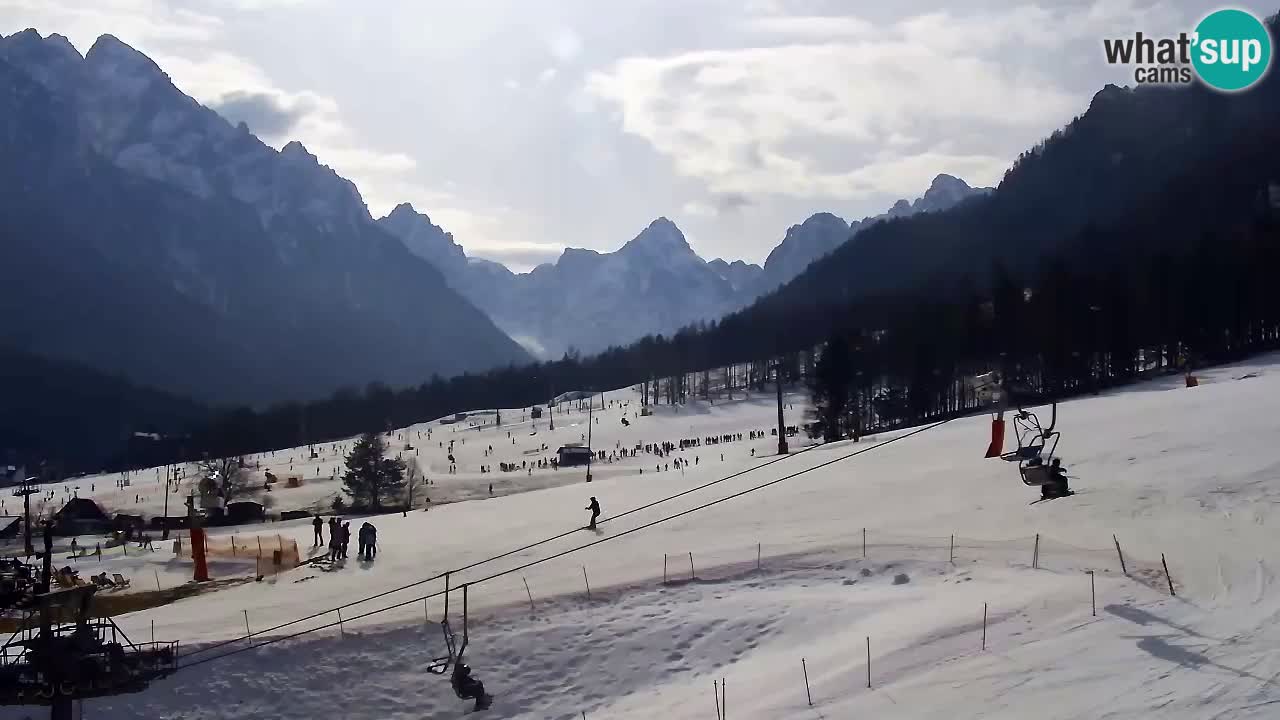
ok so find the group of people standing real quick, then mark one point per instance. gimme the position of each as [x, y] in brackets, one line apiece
[340, 538]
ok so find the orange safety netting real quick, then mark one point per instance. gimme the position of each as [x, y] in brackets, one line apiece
[269, 550]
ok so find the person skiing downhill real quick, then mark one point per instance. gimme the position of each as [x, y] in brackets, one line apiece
[594, 507]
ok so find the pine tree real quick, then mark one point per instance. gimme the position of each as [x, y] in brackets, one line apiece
[371, 476]
[830, 388]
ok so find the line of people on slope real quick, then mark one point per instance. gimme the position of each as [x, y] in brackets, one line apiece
[340, 538]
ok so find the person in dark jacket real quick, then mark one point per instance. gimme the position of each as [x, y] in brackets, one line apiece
[363, 538]
[368, 542]
[594, 507]
[346, 539]
[335, 543]
[318, 525]
[467, 686]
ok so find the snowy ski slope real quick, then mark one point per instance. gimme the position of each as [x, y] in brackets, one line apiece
[1190, 473]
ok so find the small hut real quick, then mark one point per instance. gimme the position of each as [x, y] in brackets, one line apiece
[81, 516]
[573, 454]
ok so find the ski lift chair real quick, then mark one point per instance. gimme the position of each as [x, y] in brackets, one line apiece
[441, 665]
[1035, 473]
[461, 673]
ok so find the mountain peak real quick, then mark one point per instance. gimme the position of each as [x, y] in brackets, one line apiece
[110, 49]
[945, 182]
[127, 72]
[296, 151]
[945, 191]
[45, 59]
[901, 208]
[821, 219]
[426, 239]
[31, 38]
[661, 235]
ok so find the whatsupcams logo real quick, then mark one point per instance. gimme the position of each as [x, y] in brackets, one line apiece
[1229, 50]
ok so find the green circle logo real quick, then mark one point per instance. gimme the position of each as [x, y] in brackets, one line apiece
[1232, 50]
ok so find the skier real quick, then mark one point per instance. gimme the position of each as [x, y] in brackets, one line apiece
[317, 524]
[468, 687]
[594, 507]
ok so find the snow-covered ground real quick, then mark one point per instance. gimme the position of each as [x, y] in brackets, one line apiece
[1188, 473]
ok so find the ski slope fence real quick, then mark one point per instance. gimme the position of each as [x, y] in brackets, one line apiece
[271, 553]
[673, 565]
[507, 586]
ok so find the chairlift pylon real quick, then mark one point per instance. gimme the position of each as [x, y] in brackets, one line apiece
[62, 653]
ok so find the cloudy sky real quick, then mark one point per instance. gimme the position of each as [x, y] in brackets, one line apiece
[525, 126]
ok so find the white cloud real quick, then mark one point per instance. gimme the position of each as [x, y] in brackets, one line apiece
[698, 209]
[564, 44]
[250, 5]
[137, 22]
[812, 26]
[839, 106]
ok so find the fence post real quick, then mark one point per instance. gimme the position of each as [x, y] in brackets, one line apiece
[664, 568]
[153, 632]
[724, 700]
[341, 629]
[529, 593]
[1093, 593]
[233, 544]
[868, 662]
[1123, 569]
[248, 633]
[693, 575]
[1035, 556]
[586, 581]
[715, 687]
[260, 546]
[157, 574]
[426, 613]
[864, 543]
[952, 559]
[757, 557]
[984, 626]
[806, 682]
[1167, 576]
